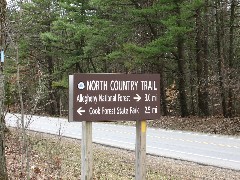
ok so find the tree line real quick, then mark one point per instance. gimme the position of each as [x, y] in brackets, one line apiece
[193, 45]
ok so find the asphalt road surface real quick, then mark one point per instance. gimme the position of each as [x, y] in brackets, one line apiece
[220, 151]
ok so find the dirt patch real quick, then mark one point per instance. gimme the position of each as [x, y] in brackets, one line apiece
[213, 125]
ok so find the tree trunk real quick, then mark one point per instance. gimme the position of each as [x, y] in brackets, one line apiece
[162, 91]
[181, 68]
[206, 57]
[220, 58]
[3, 167]
[202, 66]
[181, 78]
[52, 98]
[231, 58]
[54, 103]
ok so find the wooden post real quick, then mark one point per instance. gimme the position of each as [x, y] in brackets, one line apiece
[140, 164]
[87, 155]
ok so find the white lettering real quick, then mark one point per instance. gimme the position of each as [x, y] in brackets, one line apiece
[134, 110]
[123, 85]
[149, 85]
[123, 98]
[94, 111]
[108, 111]
[97, 85]
[122, 110]
[86, 99]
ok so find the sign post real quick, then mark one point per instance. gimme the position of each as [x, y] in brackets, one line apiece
[140, 150]
[114, 97]
[86, 154]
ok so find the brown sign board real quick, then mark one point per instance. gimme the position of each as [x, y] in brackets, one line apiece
[114, 97]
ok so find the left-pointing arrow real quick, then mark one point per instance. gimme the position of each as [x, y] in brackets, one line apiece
[80, 111]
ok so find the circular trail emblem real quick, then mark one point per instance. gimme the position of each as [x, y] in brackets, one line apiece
[81, 85]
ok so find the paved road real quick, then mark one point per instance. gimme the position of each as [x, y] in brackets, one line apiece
[221, 151]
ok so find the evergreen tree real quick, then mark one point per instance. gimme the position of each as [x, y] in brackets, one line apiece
[169, 37]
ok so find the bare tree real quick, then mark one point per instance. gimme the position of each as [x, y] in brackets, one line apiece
[3, 169]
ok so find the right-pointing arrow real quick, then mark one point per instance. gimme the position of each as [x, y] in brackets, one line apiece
[137, 98]
[80, 111]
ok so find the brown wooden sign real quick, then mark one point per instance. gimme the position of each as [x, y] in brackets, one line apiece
[113, 97]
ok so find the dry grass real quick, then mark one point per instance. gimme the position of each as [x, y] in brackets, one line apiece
[53, 157]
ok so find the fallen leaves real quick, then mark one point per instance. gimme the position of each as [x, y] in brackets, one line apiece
[213, 125]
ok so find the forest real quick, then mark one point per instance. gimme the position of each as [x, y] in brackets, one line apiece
[193, 45]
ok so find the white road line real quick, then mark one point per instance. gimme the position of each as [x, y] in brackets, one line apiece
[193, 154]
[167, 138]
